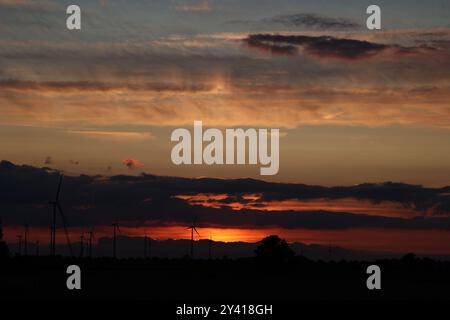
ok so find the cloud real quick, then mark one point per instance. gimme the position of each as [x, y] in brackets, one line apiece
[17, 3]
[13, 2]
[287, 106]
[193, 6]
[88, 86]
[306, 20]
[132, 163]
[113, 135]
[42, 5]
[313, 21]
[320, 46]
[25, 190]
[229, 85]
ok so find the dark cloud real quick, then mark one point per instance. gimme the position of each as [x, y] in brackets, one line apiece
[305, 20]
[320, 46]
[25, 191]
[311, 20]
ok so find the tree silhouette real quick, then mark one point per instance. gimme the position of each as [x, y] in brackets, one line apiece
[4, 252]
[273, 248]
[409, 257]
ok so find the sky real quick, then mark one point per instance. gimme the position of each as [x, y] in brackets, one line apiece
[385, 218]
[353, 106]
[349, 113]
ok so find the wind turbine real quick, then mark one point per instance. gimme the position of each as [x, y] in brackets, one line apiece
[51, 240]
[149, 239]
[116, 228]
[57, 207]
[193, 228]
[329, 252]
[26, 240]
[91, 238]
[37, 247]
[81, 245]
[19, 239]
[145, 245]
[210, 247]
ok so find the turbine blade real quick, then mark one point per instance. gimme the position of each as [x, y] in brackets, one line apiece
[195, 229]
[59, 188]
[63, 218]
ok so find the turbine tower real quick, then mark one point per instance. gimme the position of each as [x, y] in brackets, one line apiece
[210, 248]
[25, 248]
[116, 228]
[91, 238]
[145, 245]
[57, 208]
[81, 245]
[19, 239]
[149, 247]
[193, 228]
[329, 252]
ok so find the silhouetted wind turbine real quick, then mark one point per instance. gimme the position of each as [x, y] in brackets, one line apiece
[81, 245]
[51, 240]
[57, 207]
[25, 248]
[149, 240]
[329, 252]
[210, 247]
[116, 228]
[91, 238]
[193, 228]
[145, 245]
[19, 238]
[37, 247]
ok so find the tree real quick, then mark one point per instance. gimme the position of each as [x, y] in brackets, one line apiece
[409, 257]
[273, 248]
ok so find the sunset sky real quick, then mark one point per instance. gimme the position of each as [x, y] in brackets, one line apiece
[353, 106]
[85, 100]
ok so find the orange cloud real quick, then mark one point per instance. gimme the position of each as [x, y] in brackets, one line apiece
[228, 88]
[113, 135]
[132, 163]
[253, 202]
[196, 6]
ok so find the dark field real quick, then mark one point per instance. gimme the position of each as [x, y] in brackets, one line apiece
[222, 279]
